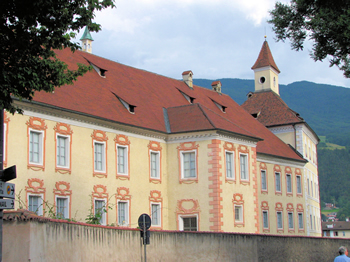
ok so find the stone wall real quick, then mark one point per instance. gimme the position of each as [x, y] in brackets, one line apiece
[54, 240]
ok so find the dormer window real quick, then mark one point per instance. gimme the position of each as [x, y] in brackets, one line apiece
[255, 115]
[100, 71]
[188, 98]
[221, 107]
[130, 108]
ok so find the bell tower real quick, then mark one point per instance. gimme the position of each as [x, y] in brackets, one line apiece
[266, 71]
[86, 41]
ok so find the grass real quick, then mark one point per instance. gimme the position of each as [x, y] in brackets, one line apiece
[328, 211]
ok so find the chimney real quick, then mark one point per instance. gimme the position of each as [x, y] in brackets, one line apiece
[187, 78]
[216, 85]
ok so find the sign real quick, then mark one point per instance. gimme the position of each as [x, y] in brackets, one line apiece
[8, 174]
[7, 190]
[144, 221]
[7, 203]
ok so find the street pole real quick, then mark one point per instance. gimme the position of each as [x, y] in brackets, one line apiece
[144, 235]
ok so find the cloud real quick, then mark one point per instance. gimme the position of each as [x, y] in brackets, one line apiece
[213, 38]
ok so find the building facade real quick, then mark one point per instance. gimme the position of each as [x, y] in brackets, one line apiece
[122, 141]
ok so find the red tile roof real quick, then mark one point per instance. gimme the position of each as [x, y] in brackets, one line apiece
[337, 225]
[151, 93]
[270, 109]
[265, 58]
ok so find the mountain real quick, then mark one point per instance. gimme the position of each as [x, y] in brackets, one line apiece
[326, 108]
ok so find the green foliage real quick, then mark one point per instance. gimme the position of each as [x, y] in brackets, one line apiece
[325, 23]
[29, 31]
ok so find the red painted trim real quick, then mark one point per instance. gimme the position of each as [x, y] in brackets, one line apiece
[154, 146]
[35, 187]
[215, 183]
[156, 197]
[182, 211]
[229, 147]
[100, 192]
[263, 166]
[62, 188]
[237, 200]
[63, 129]
[265, 207]
[99, 136]
[6, 123]
[122, 140]
[123, 195]
[183, 147]
[36, 124]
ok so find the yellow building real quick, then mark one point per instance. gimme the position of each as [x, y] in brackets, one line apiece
[299, 189]
[123, 141]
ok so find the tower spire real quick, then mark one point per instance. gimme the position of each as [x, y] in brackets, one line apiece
[265, 70]
[86, 41]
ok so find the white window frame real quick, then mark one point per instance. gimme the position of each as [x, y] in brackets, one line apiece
[299, 188]
[124, 223]
[278, 186]
[244, 172]
[290, 220]
[66, 150]
[154, 167]
[103, 157]
[123, 163]
[183, 153]
[263, 180]
[66, 210]
[301, 220]
[230, 160]
[289, 183]
[103, 212]
[265, 219]
[156, 214]
[40, 147]
[279, 217]
[181, 222]
[39, 211]
[239, 214]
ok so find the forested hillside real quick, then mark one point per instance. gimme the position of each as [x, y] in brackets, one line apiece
[326, 109]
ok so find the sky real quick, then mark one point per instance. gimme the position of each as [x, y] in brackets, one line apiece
[213, 38]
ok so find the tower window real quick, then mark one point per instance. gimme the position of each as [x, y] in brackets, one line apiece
[262, 80]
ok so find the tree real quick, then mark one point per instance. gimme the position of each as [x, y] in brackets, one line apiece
[30, 31]
[324, 22]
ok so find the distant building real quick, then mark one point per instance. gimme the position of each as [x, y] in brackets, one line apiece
[139, 142]
[339, 229]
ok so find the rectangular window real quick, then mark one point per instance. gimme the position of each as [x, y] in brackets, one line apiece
[263, 180]
[35, 204]
[62, 207]
[155, 167]
[265, 219]
[122, 158]
[299, 184]
[290, 220]
[123, 213]
[100, 158]
[308, 187]
[289, 183]
[312, 190]
[62, 151]
[278, 182]
[301, 220]
[279, 220]
[100, 211]
[238, 213]
[189, 223]
[244, 167]
[189, 164]
[155, 215]
[311, 221]
[230, 172]
[35, 147]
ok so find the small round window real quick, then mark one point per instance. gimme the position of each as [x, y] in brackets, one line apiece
[262, 80]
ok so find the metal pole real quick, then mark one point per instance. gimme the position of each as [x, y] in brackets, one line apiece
[1, 168]
[144, 235]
